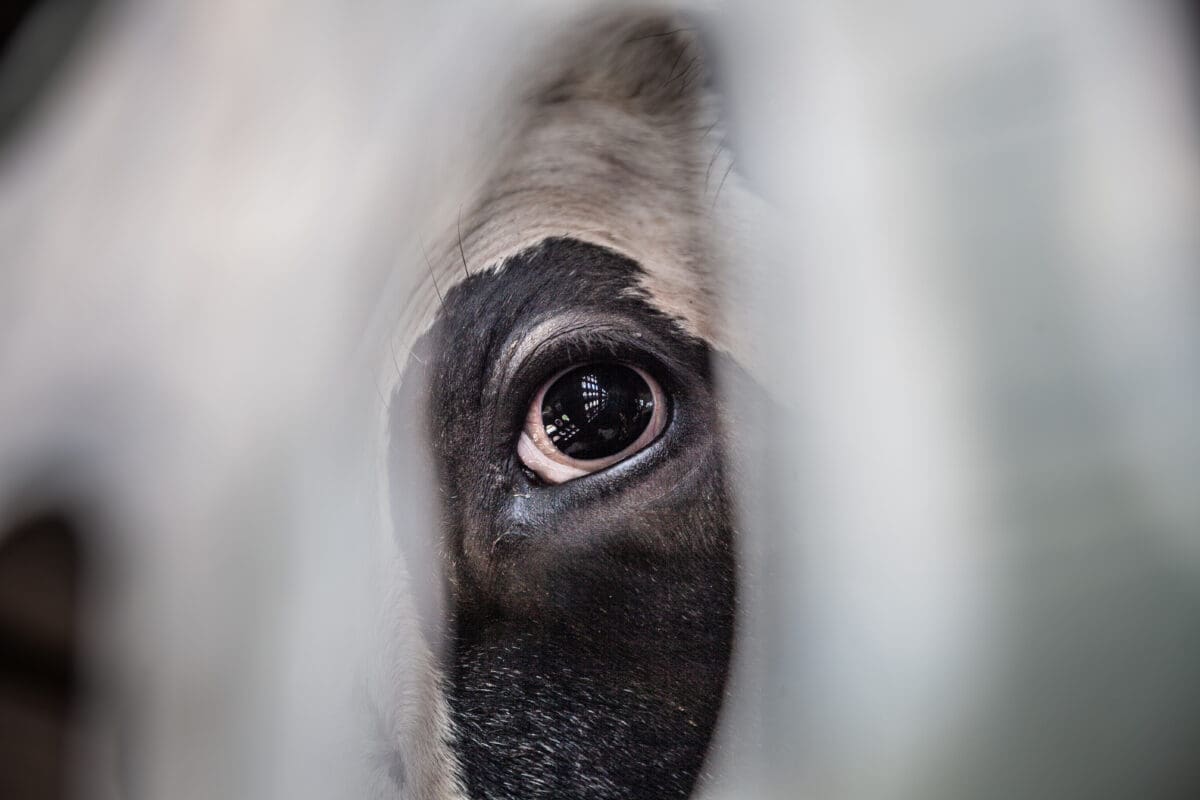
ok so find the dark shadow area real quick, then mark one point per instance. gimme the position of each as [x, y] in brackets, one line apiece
[12, 16]
[37, 39]
[1191, 20]
[41, 567]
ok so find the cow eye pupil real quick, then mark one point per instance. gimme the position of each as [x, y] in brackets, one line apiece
[597, 410]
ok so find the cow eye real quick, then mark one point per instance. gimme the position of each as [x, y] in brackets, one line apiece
[590, 417]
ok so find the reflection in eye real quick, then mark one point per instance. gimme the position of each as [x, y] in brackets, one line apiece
[597, 410]
[588, 418]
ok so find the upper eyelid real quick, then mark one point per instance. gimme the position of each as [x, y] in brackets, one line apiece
[523, 348]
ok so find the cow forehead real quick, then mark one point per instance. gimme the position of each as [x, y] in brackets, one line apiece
[616, 142]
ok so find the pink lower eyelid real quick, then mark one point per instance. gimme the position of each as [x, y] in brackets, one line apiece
[542, 465]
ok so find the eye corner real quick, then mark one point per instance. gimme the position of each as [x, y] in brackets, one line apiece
[529, 475]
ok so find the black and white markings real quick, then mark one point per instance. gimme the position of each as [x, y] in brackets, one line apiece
[591, 619]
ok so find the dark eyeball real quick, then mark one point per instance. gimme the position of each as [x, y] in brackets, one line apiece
[590, 417]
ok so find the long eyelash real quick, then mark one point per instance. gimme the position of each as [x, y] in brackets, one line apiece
[395, 361]
[694, 68]
[686, 70]
[722, 184]
[716, 154]
[462, 252]
[429, 264]
[658, 35]
[674, 64]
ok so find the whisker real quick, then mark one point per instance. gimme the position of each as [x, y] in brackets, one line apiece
[690, 74]
[461, 251]
[686, 70]
[712, 161]
[657, 35]
[432, 277]
[674, 64]
[395, 361]
[722, 184]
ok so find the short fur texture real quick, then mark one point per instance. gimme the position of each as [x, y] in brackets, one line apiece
[616, 140]
[592, 620]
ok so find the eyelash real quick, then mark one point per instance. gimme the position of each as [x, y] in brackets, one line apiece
[561, 354]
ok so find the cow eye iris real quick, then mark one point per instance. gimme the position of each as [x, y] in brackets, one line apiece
[597, 410]
[590, 417]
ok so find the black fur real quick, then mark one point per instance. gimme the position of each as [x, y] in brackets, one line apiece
[591, 620]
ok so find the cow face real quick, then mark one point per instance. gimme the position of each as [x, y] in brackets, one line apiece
[592, 616]
[565, 395]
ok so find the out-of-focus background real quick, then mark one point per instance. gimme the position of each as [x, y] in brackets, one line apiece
[971, 271]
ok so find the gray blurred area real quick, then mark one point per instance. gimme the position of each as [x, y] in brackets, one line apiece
[964, 249]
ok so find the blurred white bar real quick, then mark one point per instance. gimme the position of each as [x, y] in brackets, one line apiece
[982, 314]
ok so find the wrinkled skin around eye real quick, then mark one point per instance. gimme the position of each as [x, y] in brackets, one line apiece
[591, 622]
[616, 410]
